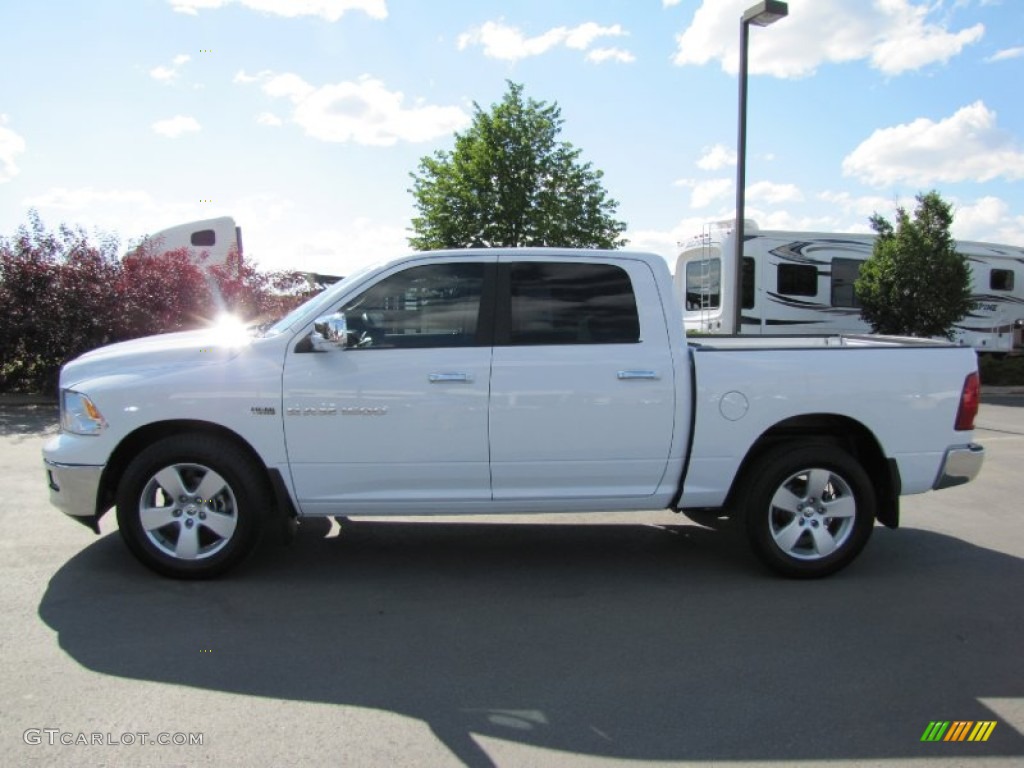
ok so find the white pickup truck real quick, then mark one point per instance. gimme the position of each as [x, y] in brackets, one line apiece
[506, 381]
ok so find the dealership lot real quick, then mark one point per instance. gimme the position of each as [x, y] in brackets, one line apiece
[580, 641]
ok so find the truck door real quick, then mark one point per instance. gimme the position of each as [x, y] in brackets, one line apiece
[400, 417]
[582, 390]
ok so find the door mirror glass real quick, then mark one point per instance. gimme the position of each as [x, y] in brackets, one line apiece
[330, 332]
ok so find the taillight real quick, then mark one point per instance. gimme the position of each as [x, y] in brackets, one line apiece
[969, 399]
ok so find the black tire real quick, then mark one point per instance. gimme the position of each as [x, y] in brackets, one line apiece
[215, 521]
[808, 510]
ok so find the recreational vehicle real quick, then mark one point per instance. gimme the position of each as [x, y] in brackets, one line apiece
[803, 283]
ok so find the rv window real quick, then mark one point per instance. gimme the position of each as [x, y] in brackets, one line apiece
[748, 283]
[844, 275]
[798, 279]
[703, 281]
[204, 238]
[563, 303]
[1001, 280]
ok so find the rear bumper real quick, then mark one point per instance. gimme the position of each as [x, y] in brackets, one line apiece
[960, 465]
[74, 489]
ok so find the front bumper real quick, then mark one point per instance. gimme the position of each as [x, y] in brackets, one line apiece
[960, 465]
[74, 490]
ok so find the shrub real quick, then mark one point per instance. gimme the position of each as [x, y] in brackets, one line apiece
[63, 295]
[1001, 371]
[55, 289]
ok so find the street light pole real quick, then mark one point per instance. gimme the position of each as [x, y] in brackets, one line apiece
[761, 15]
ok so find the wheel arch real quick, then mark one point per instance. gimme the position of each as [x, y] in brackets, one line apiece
[850, 435]
[134, 442]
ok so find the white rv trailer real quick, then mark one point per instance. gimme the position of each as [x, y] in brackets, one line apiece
[803, 283]
[209, 241]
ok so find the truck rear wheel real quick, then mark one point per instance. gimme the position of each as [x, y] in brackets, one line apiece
[191, 506]
[809, 509]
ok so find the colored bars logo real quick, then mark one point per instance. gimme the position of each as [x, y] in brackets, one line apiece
[958, 730]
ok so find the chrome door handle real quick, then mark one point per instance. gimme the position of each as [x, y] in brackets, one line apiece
[629, 375]
[438, 377]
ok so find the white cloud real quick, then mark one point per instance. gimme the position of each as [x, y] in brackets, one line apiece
[288, 85]
[665, 242]
[769, 192]
[330, 10]
[580, 37]
[716, 157]
[163, 74]
[1006, 53]
[598, 55]
[895, 36]
[269, 118]
[192, 7]
[11, 145]
[343, 249]
[670, 3]
[66, 199]
[966, 146]
[168, 73]
[362, 112]
[176, 126]
[919, 44]
[780, 219]
[501, 41]
[706, 191]
[132, 213]
[976, 220]
[242, 77]
[988, 219]
[864, 206]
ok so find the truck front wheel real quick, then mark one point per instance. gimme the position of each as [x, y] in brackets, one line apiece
[191, 506]
[809, 509]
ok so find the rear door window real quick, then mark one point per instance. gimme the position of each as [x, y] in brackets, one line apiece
[567, 303]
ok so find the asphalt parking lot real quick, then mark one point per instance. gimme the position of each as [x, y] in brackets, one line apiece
[569, 641]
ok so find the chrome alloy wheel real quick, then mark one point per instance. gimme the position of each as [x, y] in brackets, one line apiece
[812, 514]
[188, 511]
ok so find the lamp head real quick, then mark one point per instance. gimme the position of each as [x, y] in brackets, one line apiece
[766, 12]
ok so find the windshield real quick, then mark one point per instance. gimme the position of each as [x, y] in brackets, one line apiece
[316, 305]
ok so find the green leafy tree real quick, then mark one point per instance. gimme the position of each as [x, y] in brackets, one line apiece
[915, 283]
[510, 182]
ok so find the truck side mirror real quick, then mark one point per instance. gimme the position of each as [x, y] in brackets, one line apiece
[330, 332]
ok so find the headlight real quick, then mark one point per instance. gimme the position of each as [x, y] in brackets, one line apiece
[79, 415]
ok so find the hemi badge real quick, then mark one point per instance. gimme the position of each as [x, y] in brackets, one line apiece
[263, 410]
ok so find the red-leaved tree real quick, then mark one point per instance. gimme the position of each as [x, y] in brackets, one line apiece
[61, 295]
[55, 293]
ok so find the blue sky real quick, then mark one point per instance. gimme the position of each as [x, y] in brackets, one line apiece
[303, 118]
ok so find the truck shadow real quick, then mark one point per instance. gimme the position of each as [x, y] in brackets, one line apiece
[618, 641]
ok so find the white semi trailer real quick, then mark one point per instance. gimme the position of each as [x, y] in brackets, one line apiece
[209, 241]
